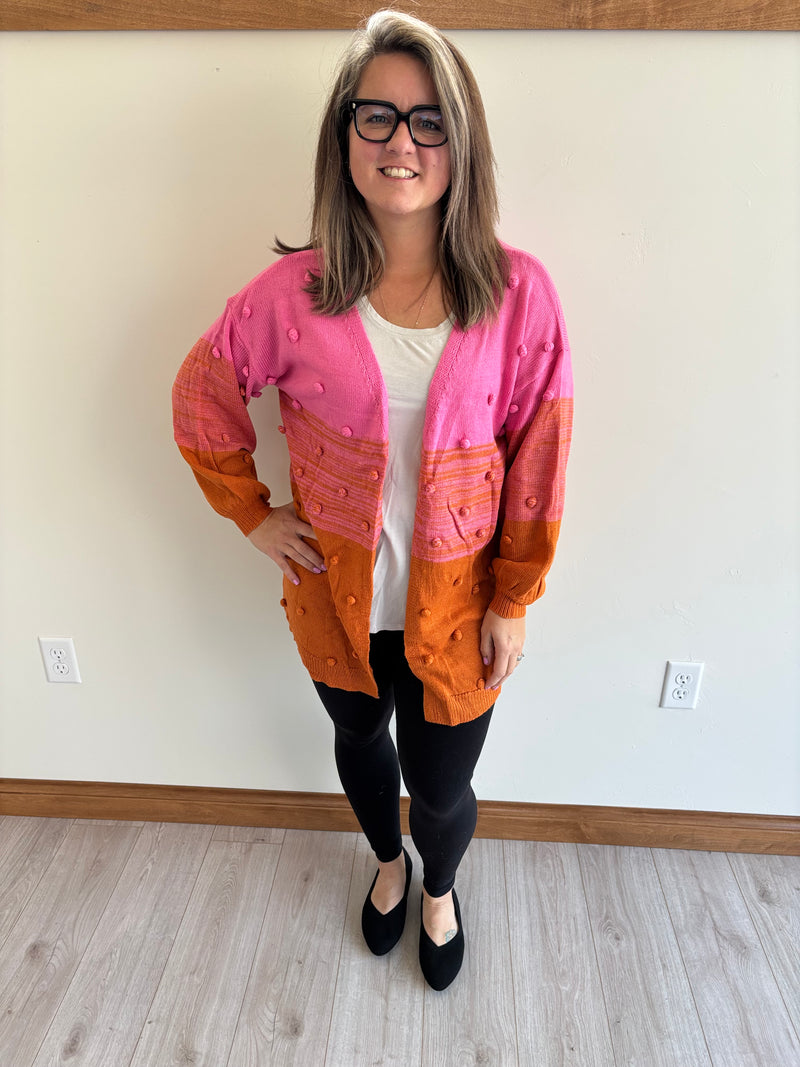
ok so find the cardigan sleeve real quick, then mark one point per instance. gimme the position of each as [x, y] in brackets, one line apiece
[538, 434]
[212, 426]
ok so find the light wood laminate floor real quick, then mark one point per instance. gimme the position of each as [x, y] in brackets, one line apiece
[167, 945]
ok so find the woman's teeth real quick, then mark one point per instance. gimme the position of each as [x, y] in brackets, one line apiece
[398, 172]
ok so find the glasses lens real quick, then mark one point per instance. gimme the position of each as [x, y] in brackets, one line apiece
[427, 127]
[375, 122]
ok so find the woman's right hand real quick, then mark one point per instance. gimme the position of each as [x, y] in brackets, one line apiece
[280, 536]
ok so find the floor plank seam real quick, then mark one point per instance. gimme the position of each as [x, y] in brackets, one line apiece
[510, 949]
[157, 985]
[76, 969]
[235, 1028]
[341, 946]
[682, 958]
[598, 970]
[765, 949]
[21, 907]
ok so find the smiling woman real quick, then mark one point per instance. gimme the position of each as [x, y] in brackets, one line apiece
[426, 399]
[472, 268]
[398, 175]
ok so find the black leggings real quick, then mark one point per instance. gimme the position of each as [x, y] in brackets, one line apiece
[437, 763]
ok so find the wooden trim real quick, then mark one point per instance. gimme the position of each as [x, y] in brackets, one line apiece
[448, 14]
[645, 827]
[715, 831]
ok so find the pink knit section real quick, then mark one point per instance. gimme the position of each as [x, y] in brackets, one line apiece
[272, 336]
[501, 385]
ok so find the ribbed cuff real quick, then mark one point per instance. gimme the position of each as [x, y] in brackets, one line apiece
[247, 519]
[507, 608]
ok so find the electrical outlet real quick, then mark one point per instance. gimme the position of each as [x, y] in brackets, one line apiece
[681, 685]
[60, 661]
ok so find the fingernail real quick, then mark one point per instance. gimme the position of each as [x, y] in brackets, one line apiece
[317, 570]
[295, 581]
[485, 661]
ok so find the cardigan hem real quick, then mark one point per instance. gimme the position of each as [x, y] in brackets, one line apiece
[461, 707]
[336, 675]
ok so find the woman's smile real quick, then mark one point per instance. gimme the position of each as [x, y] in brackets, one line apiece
[398, 172]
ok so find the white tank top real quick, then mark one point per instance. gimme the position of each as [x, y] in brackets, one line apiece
[407, 359]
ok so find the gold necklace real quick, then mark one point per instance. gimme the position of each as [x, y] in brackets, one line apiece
[421, 306]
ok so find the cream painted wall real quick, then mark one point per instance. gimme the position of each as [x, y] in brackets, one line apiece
[656, 175]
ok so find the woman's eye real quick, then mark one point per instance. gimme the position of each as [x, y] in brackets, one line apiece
[429, 123]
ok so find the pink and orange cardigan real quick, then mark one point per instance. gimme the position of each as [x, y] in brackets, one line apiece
[491, 486]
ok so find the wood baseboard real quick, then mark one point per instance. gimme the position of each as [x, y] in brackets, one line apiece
[646, 827]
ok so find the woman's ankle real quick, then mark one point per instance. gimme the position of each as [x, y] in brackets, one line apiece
[439, 917]
[390, 885]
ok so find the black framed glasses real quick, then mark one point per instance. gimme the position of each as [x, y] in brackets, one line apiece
[377, 120]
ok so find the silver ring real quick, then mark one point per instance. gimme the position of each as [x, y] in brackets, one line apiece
[520, 656]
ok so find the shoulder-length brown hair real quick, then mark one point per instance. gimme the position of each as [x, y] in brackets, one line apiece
[473, 265]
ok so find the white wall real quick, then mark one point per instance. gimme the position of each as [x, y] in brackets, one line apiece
[656, 175]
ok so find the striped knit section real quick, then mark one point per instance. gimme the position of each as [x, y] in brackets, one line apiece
[337, 479]
[538, 473]
[208, 409]
[457, 502]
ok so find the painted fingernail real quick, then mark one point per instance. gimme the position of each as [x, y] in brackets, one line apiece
[295, 581]
[317, 570]
[485, 661]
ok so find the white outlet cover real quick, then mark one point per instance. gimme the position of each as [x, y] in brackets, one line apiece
[60, 660]
[681, 684]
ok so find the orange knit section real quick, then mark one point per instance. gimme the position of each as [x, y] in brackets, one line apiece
[442, 630]
[442, 634]
[329, 613]
[525, 555]
[230, 485]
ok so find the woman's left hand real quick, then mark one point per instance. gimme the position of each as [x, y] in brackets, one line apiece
[502, 641]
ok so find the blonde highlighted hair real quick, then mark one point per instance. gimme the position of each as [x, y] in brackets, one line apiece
[472, 263]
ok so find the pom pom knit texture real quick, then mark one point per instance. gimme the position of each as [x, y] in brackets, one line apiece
[491, 489]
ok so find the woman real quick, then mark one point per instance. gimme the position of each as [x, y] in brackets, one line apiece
[425, 394]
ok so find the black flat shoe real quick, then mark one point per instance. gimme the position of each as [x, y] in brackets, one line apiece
[441, 963]
[382, 932]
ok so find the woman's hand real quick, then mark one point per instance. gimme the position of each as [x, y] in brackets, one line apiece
[280, 536]
[502, 641]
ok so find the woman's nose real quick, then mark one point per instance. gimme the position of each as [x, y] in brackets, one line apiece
[401, 139]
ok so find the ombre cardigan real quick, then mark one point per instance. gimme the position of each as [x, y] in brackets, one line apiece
[491, 485]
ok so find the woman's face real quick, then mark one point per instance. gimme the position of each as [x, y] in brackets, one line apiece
[399, 180]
